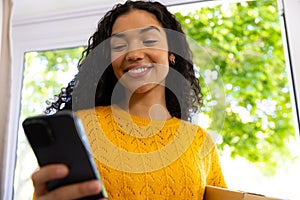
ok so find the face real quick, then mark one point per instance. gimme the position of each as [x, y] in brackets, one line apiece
[139, 51]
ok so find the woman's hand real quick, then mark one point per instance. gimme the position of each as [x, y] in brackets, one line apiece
[74, 191]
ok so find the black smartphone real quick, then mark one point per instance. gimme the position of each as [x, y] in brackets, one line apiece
[60, 138]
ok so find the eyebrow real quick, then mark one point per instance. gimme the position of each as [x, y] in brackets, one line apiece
[121, 35]
[149, 29]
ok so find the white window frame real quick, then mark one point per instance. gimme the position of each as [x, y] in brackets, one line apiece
[69, 29]
[290, 15]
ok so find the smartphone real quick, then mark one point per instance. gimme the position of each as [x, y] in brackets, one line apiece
[60, 138]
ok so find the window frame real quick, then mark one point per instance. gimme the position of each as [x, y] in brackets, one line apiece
[73, 28]
[288, 10]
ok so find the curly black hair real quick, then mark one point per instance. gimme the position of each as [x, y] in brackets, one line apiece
[180, 103]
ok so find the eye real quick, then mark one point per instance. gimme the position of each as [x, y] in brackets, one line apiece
[150, 42]
[118, 47]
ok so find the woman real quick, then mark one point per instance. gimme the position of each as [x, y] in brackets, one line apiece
[137, 123]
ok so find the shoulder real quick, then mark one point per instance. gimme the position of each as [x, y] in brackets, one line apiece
[90, 118]
[204, 142]
[97, 111]
[189, 126]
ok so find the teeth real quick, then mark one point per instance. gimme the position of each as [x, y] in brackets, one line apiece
[138, 70]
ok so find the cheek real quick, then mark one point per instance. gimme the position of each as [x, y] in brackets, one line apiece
[114, 57]
[116, 63]
[161, 57]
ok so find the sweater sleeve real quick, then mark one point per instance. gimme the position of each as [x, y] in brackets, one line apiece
[214, 172]
[215, 175]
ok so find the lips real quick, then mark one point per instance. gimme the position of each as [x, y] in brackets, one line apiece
[138, 71]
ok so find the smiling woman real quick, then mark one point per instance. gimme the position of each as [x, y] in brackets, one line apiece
[285, 173]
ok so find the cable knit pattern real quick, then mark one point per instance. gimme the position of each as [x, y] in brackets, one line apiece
[141, 158]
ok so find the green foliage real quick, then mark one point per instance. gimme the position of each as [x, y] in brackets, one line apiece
[45, 73]
[244, 43]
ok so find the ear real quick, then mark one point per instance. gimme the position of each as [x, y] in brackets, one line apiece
[172, 59]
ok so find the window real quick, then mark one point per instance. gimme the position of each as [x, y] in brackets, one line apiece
[45, 73]
[31, 37]
[247, 170]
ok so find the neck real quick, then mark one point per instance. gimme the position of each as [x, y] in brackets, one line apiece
[150, 104]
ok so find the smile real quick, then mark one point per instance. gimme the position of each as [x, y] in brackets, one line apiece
[138, 71]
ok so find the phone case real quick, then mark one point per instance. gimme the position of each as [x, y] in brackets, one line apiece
[60, 138]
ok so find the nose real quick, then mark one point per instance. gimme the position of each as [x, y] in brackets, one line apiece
[134, 55]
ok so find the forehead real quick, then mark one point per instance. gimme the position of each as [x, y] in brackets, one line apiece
[135, 19]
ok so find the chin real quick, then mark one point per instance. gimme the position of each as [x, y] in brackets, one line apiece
[143, 89]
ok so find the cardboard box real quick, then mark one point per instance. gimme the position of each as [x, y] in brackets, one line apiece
[216, 193]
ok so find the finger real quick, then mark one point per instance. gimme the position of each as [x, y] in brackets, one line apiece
[75, 191]
[45, 174]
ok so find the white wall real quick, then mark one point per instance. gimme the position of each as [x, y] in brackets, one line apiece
[24, 9]
[30, 8]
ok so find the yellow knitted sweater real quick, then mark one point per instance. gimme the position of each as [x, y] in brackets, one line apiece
[141, 158]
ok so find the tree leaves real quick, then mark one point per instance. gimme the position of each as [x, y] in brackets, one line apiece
[244, 42]
[45, 73]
